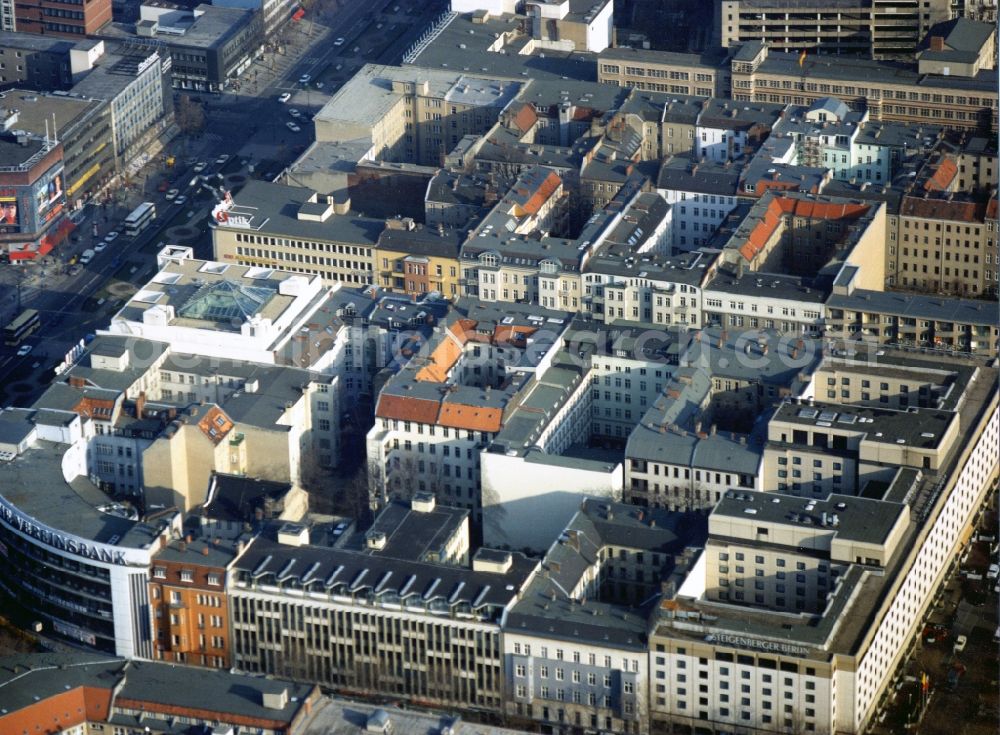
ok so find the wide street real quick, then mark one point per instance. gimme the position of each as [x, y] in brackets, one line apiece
[248, 125]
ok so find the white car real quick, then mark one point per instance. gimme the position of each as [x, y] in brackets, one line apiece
[100, 246]
[293, 127]
[319, 85]
[199, 167]
[294, 113]
[285, 97]
[172, 194]
[221, 160]
[304, 79]
[339, 42]
[111, 236]
[24, 350]
[960, 644]
[180, 200]
[993, 572]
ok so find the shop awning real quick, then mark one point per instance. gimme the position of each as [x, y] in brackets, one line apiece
[56, 236]
[299, 14]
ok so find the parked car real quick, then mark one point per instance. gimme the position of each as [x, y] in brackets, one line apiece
[180, 200]
[199, 167]
[305, 78]
[993, 572]
[285, 97]
[293, 127]
[221, 160]
[100, 247]
[111, 236]
[294, 113]
[339, 42]
[960, 644]
[172, 194]
[24, 350]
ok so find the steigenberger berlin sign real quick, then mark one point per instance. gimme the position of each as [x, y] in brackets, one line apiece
[67, 542]
[757, 644]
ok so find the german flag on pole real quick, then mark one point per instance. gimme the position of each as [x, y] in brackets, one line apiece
[802, 57]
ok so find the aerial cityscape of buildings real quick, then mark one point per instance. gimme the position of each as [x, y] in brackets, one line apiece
[504, 366]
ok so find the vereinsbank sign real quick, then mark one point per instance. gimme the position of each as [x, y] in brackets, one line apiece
[87, 549]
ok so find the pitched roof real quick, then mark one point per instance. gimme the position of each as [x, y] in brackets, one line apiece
[533, 200]
[959, 210]
[407, 408]
[942, 177]
[473, 418]
[525, 118]
[779, 206]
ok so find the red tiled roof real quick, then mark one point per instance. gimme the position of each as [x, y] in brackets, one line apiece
[87, 407]
[805, 208]
[991, 209]
[515, 334]
[956, 210]
[471, 418]
[541, 195]
[215, 424]
[942, 177]
[407, 408]
[525, 118]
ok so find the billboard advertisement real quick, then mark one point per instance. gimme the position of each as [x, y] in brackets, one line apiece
[9, 214]
[49, 190]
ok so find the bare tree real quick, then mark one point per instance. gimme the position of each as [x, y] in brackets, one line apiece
[190, 115]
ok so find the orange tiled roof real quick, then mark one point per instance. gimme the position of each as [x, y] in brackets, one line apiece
[215, 424]
[471, 418]
[806, 208]
[89, 407]
[541, 195]
[942, 177]
[514, 334]
[525, 118]
[447, 352]
[407, 408]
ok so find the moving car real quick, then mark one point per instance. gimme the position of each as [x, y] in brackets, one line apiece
[304, 79]
[172, 194]
[111, 236]
[221, 160]
[100, 246]
[199, 167]
[285, 97]
[24, 350]
[180, 200]
[87, 256]
[339, 42]
[293, 127]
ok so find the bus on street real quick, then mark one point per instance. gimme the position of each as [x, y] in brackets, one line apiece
[26, 323]
[142, 216]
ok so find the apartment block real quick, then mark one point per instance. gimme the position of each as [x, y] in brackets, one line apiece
[417, 261]
[275, 226]
[845, 578]
[188, 601]
[911, 320]
[365, 618]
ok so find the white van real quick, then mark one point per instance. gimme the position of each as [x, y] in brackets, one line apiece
[88, 255]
